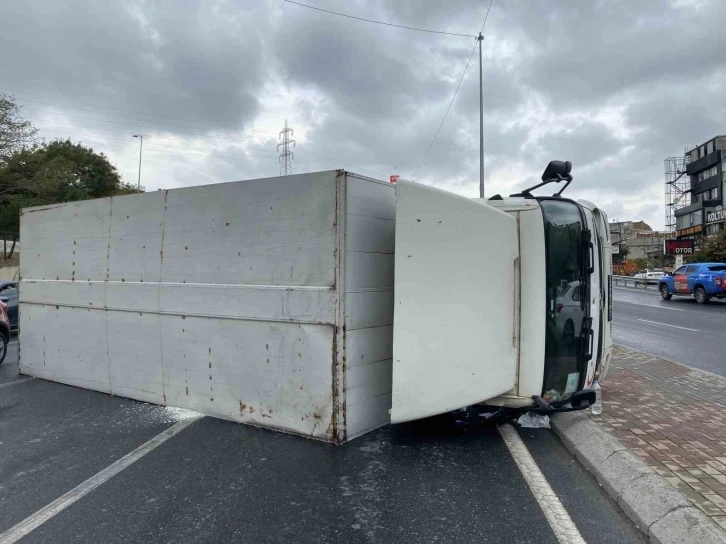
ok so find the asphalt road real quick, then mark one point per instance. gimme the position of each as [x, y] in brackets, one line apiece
[678, 329]
[218, 481]
[9, 369]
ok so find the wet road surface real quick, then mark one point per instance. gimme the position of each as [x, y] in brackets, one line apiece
[679, 329]
[218, 481]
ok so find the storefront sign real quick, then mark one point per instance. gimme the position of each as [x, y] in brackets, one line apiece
[690, 231]
[716, 215]
[652, 234]
[678, 247]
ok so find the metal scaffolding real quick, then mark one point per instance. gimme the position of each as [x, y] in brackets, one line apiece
[677, 188]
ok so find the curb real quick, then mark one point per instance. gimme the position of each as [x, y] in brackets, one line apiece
[658, 509]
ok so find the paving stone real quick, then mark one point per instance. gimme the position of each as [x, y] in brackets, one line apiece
[673, 418]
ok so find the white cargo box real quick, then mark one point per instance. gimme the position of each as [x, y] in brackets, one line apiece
[268, 302]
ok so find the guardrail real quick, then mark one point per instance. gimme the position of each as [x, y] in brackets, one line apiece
[636, 283]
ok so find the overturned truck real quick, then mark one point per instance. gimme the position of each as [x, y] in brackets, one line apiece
[324, 304]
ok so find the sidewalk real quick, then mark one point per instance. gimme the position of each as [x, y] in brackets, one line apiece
[674, 418]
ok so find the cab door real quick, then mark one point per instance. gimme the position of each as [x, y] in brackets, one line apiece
[454, 332]
[680, 281]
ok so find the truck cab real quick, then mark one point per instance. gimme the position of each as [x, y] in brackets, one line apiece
[504, 301]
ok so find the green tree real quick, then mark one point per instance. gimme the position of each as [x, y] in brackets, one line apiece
[15, 132]
[59, 171]
[713, 249]
[622, 255]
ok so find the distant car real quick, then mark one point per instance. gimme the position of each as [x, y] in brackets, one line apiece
[568, 312]
[650, 274]
[4, 331]
[702, 280]
[9, 295]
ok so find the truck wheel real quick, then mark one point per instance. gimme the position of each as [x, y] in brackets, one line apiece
[664, 292]
[3, 348]
[700, 295]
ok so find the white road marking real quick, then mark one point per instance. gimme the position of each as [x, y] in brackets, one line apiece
[564, 528]
[660, 307]
[15, 382]
[667, 325]
[33, 521]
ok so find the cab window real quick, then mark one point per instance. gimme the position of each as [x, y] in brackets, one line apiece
[681, 270]
[690, 269]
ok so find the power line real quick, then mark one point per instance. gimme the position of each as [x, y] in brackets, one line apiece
[137, 125]
[446, 114]
[75, 109]
[264, 159]
[380, 22]
[122, 109]
[486, 17]
[117, 132]
[455, 93]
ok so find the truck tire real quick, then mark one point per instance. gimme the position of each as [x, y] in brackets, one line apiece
[665, 295]
[700, 294]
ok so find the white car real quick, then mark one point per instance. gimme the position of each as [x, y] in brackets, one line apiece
[649, 274]
[569, 313]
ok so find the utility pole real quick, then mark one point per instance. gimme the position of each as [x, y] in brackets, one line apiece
[141, 148]
[286, 156]
[481, 121]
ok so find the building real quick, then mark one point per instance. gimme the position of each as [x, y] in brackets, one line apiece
[641, 240]
[646, 245]
[700, 213]
[623, 230]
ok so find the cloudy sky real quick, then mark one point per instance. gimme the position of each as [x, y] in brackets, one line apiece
[613, 86]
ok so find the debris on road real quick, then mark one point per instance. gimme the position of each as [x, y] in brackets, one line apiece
[530, 420]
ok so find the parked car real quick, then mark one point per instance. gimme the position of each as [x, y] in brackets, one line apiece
[650, 274]
[569, 313]
[9, 295]
[702, 280]
[4, 331]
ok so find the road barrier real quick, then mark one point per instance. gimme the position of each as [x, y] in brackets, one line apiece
[636, 283]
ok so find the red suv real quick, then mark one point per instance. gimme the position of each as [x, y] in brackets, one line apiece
[4, 331]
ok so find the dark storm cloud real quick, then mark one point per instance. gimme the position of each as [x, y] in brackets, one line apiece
[614, 86]
[170, 58]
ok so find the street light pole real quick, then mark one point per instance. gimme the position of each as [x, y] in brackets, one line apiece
[141, 148]
[481, 122]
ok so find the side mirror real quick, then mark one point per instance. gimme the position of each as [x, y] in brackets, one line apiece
[557, 171]
[586, 397]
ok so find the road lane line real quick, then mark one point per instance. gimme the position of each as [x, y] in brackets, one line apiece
[660, 307]
[33, 521]
[15, 382]
[667, 325]
[564, 528]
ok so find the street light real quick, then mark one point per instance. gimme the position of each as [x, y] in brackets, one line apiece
[141, 148]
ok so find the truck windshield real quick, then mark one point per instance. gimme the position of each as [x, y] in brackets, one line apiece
[567, 291]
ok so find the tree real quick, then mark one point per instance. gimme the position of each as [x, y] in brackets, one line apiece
[713, 249]
[622, 255]
[59, 171]
[15, 133]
